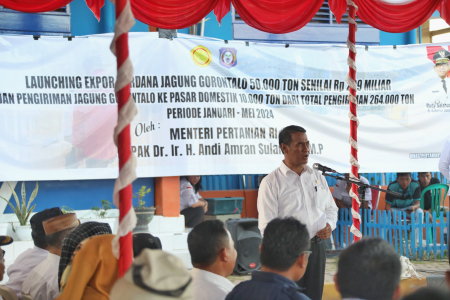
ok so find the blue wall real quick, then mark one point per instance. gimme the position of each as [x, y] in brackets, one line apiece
[77, 194]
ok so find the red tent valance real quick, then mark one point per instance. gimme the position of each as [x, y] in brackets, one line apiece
[273, 16]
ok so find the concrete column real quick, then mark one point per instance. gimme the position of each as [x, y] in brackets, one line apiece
[167, 196]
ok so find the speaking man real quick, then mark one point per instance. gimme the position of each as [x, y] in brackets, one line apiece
[296, 190]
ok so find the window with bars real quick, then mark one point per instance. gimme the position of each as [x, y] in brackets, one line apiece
[323, 28]
[323, 16]
[55, 22]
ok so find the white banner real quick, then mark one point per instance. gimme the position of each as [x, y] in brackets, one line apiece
[213, 107]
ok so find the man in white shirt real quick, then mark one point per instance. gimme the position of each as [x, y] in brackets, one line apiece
[213, 257]
[444, 161]
[342, 197]
[42, 282]
[29, 259]
[296, 190]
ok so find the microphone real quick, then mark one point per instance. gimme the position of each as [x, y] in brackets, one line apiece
[321, 168]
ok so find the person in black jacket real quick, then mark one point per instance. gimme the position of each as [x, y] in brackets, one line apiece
[425, 180]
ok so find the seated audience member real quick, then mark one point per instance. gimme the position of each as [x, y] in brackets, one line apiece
[143, 241]
[444, 161]
[73, 239]
[341, 193]
[428, 294]
[284, 257]
[93, 270]
[154, 275]
[213, 257]
[42, 282]
[425, 181]
[4, 240]
[192, 205]
[369, 269]
[29, 259]
[410, 199]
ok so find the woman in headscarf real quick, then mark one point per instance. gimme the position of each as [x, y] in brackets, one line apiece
[93, 271]
[73, 239]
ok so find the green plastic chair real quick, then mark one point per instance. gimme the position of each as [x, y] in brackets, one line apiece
[436, 197]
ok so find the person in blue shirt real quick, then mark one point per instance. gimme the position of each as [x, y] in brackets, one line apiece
[284, 257]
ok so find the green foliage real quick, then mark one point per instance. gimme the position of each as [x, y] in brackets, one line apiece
[23, 210]
[67, 210]
[100, 212]
[140, 196]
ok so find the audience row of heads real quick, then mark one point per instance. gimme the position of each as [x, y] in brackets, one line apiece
[369, 269]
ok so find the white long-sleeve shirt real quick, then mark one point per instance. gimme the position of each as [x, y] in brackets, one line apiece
[283, 193]
[22, 266]
[42, 282]
[188, 196]
[444, 161]
[209, 286]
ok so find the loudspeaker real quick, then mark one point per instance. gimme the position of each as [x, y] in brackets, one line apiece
[247, 238]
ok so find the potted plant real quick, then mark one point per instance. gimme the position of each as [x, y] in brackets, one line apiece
[144, 214]
[101, 211]
[23, 211]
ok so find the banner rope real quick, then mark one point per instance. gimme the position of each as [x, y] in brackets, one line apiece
[354, 122]
[123, 241]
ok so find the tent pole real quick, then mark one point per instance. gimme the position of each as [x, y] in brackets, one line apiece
[351, 80]
[123, 191]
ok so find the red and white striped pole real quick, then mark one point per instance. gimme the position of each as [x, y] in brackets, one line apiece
[123, 191]
[354, 122]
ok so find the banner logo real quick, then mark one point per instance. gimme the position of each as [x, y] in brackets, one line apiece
[201, 56]
[228, 57]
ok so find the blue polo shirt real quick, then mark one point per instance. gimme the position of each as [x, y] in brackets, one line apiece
[408, 197]
[267, 286]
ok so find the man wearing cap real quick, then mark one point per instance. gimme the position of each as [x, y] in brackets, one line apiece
[440, 88]
[4, 240]
[42, 282]
[29, 259]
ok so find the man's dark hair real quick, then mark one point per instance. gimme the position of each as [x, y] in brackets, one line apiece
[367, 265]
[428, 293]
[197, 186]
[56, 239]
[423, 173]
[404, 174]
[143, 241]
[39, 240]
[285, 135]
[205, 241]
[284, 241]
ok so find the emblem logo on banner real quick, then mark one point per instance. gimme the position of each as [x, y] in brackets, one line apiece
[201, 56]
[228, 57]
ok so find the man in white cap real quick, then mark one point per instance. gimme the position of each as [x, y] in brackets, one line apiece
[154, 275]
[42, 282]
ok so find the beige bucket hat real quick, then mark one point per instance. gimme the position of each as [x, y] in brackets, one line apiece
[156, 275]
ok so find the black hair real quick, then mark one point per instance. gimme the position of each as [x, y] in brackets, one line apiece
[285, 135]
[367, 265]
[428, 293]
[422, 173]
[404, 174]
[283, 243]
[143, 241]
[39, 240]
[56, 239]
[205, 241]
[197, 186]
